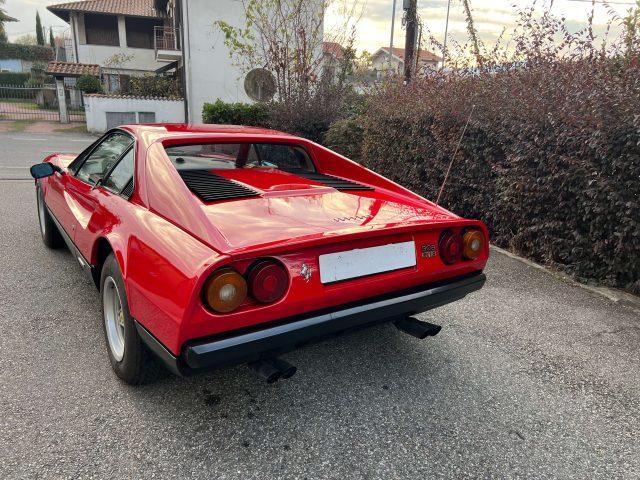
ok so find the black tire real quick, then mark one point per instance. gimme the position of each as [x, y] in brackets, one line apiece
[137, 365]
[49, 232]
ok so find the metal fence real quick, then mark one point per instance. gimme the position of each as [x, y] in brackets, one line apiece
[38, 102]
[166, 38]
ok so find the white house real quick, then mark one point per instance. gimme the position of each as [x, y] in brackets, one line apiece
[203, 59]
[383, 63]
[118, 35]
[176, 37]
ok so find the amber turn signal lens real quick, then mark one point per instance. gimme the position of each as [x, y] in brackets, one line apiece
[473, 243]
[225, 290]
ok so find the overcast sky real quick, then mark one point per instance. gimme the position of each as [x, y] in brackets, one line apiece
[373, 29]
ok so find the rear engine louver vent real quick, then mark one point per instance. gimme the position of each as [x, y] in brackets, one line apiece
[210, 187]
[330, 181]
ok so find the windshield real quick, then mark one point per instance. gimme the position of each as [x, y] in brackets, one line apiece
[239, 155]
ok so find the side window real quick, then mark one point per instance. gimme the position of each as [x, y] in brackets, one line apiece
[283, 156]
[77, 162]
[103, 157]
[121, 174]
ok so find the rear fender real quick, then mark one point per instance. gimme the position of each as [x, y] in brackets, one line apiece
[101, 249]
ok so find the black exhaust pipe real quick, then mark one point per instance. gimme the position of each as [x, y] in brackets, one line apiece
[285, 368]
[266, 370]
[273, 369]
[416, 328]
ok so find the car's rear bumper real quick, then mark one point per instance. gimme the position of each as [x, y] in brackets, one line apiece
[248, 345]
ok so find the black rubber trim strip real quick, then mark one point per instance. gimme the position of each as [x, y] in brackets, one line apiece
[250, 345]
[170, 361]
[87, 268]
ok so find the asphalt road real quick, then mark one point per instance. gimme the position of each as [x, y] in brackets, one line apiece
[529, 378]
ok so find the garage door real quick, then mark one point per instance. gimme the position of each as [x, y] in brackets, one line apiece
[115, 119]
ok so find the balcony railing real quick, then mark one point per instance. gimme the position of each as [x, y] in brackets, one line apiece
[166, 43]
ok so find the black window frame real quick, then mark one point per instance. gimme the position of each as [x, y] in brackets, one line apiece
[82, 158]
[113, 167]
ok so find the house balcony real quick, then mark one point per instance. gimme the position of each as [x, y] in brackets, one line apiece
[166, 43]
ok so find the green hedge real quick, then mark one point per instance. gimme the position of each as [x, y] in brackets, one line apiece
[13, 78]
[345, 137]
[154, 86]
[89, 84]
[550, 160]
[255, 114]
[34, 53]
[308, 116]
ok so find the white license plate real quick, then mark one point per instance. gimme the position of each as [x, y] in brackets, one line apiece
[366, 261]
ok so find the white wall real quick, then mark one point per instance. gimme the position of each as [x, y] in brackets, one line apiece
[380, 62]
[142, 58]
[97, 106]
[209, 70]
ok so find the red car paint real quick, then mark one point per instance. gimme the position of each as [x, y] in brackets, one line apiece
[168, 242]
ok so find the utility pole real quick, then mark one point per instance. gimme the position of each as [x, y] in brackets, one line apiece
[411, 20]
[446, 31]
[418, 48]
[393, 21]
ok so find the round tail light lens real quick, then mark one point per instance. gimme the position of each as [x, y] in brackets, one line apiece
[473, 243]
[225, 290]
[268, 281]
[450, 247]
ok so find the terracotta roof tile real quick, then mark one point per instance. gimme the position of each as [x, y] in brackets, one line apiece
[425, 55]
[333, 48]
[133, 8]
[68, 69]
[132, 97]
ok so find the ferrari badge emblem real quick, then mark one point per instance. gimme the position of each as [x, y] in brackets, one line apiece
[305, 272]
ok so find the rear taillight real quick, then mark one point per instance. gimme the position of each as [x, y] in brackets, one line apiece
[268, 281]
[225, 290]
[472, 244]
[450, 247]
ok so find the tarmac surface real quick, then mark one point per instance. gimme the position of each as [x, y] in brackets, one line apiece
[530, 378]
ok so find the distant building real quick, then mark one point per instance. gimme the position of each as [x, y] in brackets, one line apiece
[383, 63]
[332, 55]
[23, 58]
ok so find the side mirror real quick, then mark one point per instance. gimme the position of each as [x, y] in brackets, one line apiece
[42, 170]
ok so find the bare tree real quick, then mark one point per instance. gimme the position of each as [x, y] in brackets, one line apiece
[284, 37]
[473, 34]
[3, 18]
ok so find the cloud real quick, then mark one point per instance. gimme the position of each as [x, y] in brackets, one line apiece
[491, 17]
[373, 28]
[25, 12]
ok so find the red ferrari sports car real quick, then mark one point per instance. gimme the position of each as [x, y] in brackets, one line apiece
[220, 245]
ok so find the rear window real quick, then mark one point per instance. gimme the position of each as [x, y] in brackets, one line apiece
[239, 155]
